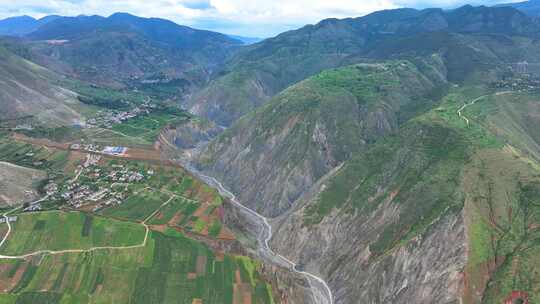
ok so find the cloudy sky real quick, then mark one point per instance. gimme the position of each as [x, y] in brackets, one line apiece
[255, 18]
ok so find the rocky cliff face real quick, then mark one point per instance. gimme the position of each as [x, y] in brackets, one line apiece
[390, 221]
[281, 150]
[190, 134]
[427, 269]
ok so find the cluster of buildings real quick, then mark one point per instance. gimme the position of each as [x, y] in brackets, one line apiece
[78, 194]
[86, 147]
[98, 149]
[11, 219]
[524, 83]
[121, 174]
[108, 118]
[114, 150]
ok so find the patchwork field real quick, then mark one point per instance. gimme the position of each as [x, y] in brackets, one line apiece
[145, 128]
[166, 267]
[68, 230]
[169, 269]
[138, 206]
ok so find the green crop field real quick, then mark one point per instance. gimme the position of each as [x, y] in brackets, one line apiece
[68, 230]
[168, 270]
[138, 206]
[31, 156]
[146, 127]
[177, 205]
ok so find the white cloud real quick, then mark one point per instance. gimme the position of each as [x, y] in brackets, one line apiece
[246, 17]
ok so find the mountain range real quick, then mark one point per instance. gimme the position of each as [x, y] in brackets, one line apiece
[396, 156]
[531, 7]
[122, 49]
[367, 162]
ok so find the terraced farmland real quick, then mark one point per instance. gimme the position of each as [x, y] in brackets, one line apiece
[131, 252]
[169, 269]
[68, 230]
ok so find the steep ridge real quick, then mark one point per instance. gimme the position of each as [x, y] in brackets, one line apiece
[260, 71]
[22, 25]
[277, 152]
[531, 7]
[123, 48]
[400, 221]
[389, 221]
[442, 212]
[30, 91]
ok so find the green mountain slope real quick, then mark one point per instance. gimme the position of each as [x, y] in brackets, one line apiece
[478, 35]
[275, 153]
[440, 211]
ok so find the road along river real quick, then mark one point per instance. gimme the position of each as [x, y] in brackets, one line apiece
[320, 290]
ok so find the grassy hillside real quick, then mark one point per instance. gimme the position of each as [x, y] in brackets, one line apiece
[470, 40]
[313, 126]
[438, 165]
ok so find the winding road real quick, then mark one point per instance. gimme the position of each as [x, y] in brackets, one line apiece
[321, 292]
[460, 110]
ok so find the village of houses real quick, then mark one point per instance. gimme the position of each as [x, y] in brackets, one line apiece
[107, 118]
[94, 187]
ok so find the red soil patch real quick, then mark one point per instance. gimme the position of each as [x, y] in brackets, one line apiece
[220, 213]
[200, 211]
[5, 283]
[515, 296]
[197, 301]
[98, 289]
[241, 291]
[238, 277]
[17, 277]
[220, 256]
[176, 219]
[247, 297]
[74, 158]
[142, 154]
[393, 194]
[204, 232]
[158, 215]
[192, 276]
[226, 234]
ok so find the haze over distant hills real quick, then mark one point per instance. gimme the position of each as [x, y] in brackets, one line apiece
[531, 7]
[22, 25]
[122, 48]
